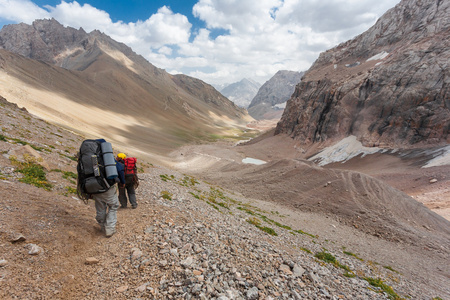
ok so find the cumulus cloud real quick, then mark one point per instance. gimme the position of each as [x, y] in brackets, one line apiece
[21, 11]
[241, 38]
[76, 15]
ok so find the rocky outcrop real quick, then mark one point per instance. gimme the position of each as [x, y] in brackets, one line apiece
[45, 40]
[271, 98]
[388, 86]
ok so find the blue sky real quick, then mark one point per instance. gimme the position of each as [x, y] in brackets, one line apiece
[218, 41]
[132, 10]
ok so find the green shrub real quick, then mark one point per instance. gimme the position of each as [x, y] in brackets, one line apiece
[384, 287]
[34, 174]
[329, 258]
[268, 230]
[166, 195]
[2, 138]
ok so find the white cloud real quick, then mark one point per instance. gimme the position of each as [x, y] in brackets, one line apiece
[21, 11]
[76, 15]
[257, 40]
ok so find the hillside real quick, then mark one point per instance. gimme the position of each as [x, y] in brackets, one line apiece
[188, 238]
[388, 86]
[98, 87]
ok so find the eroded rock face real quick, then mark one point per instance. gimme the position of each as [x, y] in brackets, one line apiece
[389, 86]
[272, 95]
[45, 40]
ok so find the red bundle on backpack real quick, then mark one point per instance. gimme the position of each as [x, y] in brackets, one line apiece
[130, 165]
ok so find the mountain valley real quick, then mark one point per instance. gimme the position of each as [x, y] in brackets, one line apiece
[346, 197]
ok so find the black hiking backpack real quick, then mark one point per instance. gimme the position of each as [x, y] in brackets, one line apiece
[96, 168]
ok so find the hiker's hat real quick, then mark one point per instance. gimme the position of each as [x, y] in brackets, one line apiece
[121, 155]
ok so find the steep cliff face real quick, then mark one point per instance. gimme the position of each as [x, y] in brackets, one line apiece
[270, 100]
[388, 86]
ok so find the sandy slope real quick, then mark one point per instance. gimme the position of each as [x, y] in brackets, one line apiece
[370, 215]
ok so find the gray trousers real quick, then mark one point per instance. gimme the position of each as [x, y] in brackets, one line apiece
[106, 205]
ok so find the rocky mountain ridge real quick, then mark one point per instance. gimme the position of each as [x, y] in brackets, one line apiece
[270, 100]
[388, 86]
[242, 92]
[87, 81]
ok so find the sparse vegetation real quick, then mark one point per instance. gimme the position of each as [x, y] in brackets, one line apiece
[165, 177]
[326, 257]
[391, 269]
[256, 222]
[352, 254]
[71, 176]
[306, 250]
[383, 286]
[302, 232]
[33, 173]
[70, 190]
[3, 138]
[349, 275]
[214, 206]
[69, 157]
[246, 210]
[188, 181]
[195, 195]
[18, 141]
[166, 195]
[329, 258]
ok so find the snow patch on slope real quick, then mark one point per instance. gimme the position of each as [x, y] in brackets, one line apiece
[343, 151]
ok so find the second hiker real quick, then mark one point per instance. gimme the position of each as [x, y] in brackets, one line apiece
[131, 181]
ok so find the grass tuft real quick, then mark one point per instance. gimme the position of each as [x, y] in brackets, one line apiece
[256, 222]
[329, 258]
[383, 286]
[306, 250]
[166, 195]
[352, 254]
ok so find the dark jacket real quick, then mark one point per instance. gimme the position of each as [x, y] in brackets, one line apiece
[121, 171]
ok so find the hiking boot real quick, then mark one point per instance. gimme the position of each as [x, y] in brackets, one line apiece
[109, 232]
[134, 206]
[122, 206]
[101, 227]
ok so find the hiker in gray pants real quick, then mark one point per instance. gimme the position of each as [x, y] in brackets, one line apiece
[106, 205]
